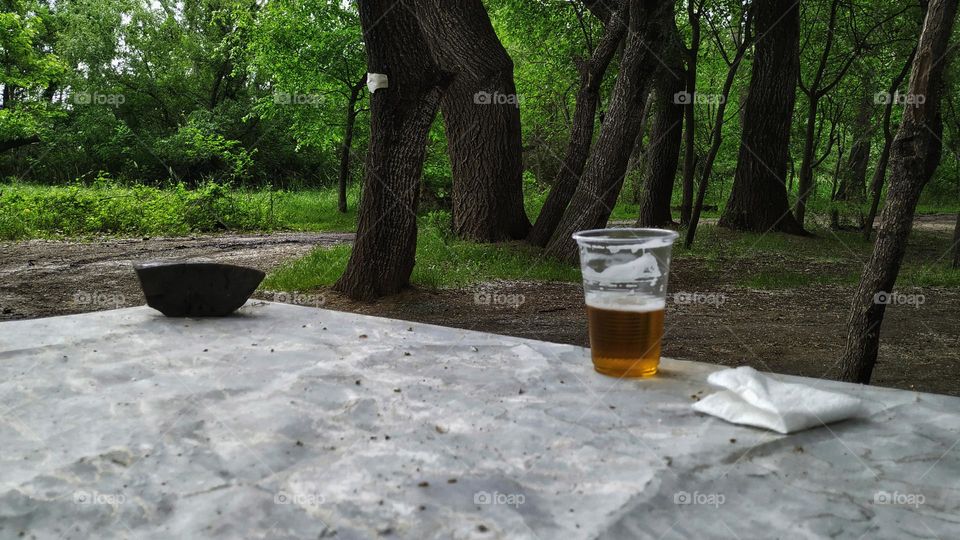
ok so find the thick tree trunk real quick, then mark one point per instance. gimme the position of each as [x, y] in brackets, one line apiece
[481, 113]
[602, 178]
[581, 135]
[758, 200]
[400, 116]
[662, 157]
[689, 110]
[880, 173]
[343, 177]
[914, 158]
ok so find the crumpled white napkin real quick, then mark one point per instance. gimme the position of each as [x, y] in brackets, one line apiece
[754, 399]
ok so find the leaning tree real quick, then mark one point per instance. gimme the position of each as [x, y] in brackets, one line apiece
[592, 202]
[584, 119]
[914, 157]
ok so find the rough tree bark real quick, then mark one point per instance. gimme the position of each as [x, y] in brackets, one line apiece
[400, 116]
[343, 177]
[481, 113]
[913, 159]
[581, 135]
[758, 199]
[603, 175]
[689, 127]
[663, 155]
[880, 173]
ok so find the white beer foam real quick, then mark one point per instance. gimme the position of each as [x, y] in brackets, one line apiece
[652, 243]
[619, 301]
[642, 268]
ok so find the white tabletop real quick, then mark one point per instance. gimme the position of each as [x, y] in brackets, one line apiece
[294, 422]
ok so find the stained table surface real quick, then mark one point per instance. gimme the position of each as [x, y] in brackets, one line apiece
[294, 422]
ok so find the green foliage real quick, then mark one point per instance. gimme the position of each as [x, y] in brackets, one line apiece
[27, 70]
[106, 207]
[258, 93]
[196, 150]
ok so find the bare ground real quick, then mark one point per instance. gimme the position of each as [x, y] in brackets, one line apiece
[798, 331]
[42, 278]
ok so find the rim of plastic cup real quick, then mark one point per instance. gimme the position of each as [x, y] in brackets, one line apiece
[617, 236]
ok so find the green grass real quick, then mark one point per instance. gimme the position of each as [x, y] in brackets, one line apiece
[441, 262]
[105, 207]
[786, 279]
[780, 261]
[768, 262]
[927, 208]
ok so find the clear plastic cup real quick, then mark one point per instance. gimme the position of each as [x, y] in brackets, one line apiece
[625, 287]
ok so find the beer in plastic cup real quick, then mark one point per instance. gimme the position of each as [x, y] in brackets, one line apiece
[625, 287]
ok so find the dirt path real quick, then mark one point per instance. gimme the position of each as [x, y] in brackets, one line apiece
[798, 331]
[41, 278]
[794, 331]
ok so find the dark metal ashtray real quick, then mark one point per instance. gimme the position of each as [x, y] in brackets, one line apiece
[196, 289]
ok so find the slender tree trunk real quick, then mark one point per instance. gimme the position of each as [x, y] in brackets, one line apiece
[914, 158]
[793, 171]
[581, 135]
[481, 113]
[806, 180]
[716, 136]
[837, 184]
[662, 157]
[602, 178]
[758, 200]
[689, 110]
[880, 173]
[343, 177]
[853, 180]
[400, 117]
[956, 243]
[638, 155]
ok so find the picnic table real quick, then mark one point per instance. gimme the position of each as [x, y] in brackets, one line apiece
[294, 422]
